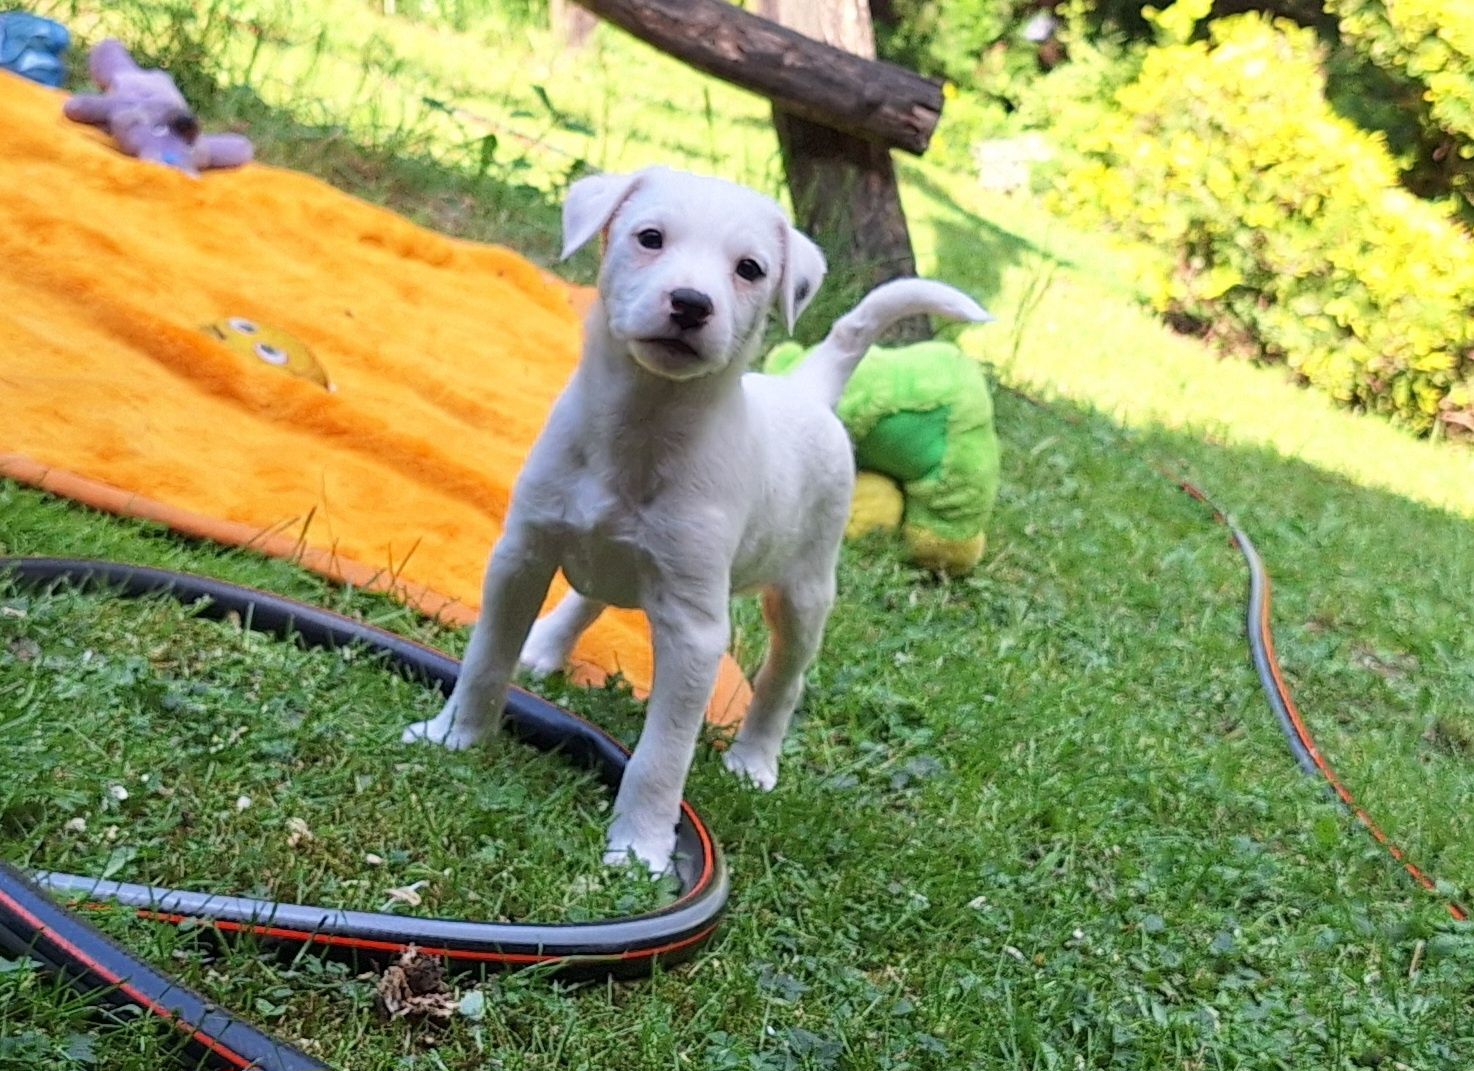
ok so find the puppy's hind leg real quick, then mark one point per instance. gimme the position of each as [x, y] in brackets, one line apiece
[551, 641]
[517, 578]
[795, 613]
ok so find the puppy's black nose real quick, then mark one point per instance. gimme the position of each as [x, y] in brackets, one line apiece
[689, 308]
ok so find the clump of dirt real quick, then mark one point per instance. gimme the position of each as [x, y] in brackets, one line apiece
[1391, 666]
[413, 987]
[1450, 738]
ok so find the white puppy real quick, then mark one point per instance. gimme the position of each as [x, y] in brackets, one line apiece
[668, 478]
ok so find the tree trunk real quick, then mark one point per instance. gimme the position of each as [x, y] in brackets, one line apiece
[571, 24]
[845, 195]
[842, 23]
[844, 188]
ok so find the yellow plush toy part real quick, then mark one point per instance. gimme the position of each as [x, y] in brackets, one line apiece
[877, 506]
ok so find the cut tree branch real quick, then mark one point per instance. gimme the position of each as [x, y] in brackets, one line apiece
[867, 98]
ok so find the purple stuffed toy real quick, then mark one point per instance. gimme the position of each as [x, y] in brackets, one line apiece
[148, 116]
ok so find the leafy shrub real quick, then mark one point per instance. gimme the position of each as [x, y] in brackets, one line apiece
[967, 119]
[1287, 227]
[948, 38]
[975, 42]
[1424, 55]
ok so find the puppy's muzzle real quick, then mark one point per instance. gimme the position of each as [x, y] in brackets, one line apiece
[690, 309]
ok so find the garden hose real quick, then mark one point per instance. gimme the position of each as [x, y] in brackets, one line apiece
[31, 923]
[1302, 744]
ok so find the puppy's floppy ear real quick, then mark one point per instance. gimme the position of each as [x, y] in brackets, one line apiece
[590, 204]
[803, 271]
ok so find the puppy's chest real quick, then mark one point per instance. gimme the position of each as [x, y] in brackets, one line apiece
[608, 539]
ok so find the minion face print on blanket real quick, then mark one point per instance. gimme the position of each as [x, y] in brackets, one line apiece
[269, 345]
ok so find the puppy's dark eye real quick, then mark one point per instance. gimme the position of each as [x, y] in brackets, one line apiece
[650, 238]
[750, 269]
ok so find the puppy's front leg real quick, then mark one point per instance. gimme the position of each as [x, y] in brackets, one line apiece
[517, 579]
[690, 635]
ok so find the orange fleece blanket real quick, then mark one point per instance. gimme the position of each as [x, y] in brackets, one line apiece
[257, 358]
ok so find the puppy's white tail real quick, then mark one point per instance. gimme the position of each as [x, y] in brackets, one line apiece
[826, 371]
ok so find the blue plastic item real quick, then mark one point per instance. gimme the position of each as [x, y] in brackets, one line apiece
[32, 47]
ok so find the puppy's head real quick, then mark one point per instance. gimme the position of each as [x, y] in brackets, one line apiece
[691, 266]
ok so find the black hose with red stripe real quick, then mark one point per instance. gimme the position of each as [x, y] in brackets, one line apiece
[32, 923]
[1297, 733]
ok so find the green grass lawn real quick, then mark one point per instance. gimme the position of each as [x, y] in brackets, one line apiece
[1037, 818]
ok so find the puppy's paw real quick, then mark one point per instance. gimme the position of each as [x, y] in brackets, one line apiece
[446, 729]
[541, 659]
[753, 764]
[653, 852]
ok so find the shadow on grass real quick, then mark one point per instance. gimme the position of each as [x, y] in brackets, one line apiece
[1106, 621]
[481, 204]
[1368, 594]
[465, 190]
[1087, 512]
[971, 247]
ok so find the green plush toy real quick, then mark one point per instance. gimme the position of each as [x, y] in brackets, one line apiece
[921, 417]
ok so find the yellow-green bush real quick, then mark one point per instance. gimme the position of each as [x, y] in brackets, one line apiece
[1287, 225]
[1425, 50]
